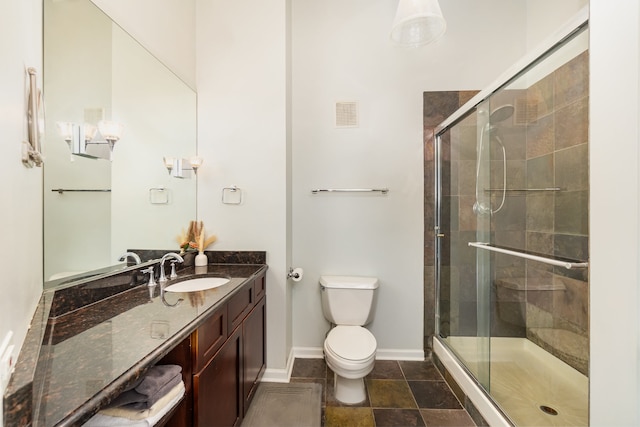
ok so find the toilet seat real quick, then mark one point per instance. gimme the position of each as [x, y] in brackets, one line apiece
[350, 351]
[351, 343]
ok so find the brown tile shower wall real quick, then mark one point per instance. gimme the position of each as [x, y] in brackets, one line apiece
[551, 124]
[564, 314]
[437, 107]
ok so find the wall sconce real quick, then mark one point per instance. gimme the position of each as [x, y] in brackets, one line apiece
[182, 168]
[111, 131]
[88, 141]
[417, 22]
[195, 162]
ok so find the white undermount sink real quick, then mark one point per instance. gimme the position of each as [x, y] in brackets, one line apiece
[200, 284]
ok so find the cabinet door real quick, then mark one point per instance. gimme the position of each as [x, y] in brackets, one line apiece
[218, 387]
[209, 337]
[253, 341]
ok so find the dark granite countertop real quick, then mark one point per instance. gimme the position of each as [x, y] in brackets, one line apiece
[81, 353]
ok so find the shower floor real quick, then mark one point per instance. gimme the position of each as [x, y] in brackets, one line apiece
[524, 378]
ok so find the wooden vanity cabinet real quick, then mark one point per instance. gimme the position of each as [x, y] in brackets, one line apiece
[218, 387]
[254, 346]
[228, 355]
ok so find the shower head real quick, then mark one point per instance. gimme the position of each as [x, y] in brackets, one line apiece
[501, 113]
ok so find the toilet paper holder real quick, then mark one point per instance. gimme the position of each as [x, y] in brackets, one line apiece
[295, 274]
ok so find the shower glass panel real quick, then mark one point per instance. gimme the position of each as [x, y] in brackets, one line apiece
[512, 211]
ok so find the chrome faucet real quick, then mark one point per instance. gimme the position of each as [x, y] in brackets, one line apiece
[163, 277]
[133, 255]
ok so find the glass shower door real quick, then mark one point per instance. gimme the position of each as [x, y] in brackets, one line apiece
[512, 245]
[464, 273]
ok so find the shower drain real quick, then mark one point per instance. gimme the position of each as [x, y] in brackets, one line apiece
[548, 410]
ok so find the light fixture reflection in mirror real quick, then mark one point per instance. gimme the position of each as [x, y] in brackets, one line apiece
[111, 131]
[79, 137]
[65, 129]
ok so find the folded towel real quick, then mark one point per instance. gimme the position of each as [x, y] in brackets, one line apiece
[152, 386]
[133, 399]
[139, 414]
[123, 417]
[157, 377]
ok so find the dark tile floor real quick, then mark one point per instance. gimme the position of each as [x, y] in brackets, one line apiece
[399, 394]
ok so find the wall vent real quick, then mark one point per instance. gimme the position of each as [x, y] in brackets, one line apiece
[347, 114]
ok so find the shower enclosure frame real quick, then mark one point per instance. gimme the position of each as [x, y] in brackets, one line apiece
[472, 386]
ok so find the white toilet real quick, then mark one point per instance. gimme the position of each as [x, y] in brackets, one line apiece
[348, 302]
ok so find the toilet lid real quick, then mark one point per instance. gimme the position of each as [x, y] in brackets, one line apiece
[352, 342]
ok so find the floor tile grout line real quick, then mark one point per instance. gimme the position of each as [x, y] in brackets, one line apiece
[371, 409]
[412, 394]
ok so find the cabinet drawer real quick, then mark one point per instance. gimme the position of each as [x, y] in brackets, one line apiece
[210, 336]
[240, 305]
[259, 287]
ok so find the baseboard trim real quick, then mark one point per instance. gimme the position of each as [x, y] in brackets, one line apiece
[399, 354]
[272, 375]
[381, 354]
[308, 352]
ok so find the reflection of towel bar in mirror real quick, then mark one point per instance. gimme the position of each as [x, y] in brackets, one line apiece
[70, 190]
[351, 190]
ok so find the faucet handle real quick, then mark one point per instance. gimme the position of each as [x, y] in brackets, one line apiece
[173, 274]
[152, 280]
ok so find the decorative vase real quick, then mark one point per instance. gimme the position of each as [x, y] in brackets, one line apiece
[201, 260]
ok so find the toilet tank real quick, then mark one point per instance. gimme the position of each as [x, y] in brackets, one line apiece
[348, 300]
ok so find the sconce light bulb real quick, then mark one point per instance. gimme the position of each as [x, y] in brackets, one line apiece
[65, 129]
[168, 163]
[196, 162]
[89, 132]
[111, 131]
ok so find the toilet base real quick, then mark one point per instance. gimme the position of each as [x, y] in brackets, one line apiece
[349, 390]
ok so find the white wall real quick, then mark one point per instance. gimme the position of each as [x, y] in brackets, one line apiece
[21, 192]
[242, 136]
[341, 51]
[614, 371]
[544, 17]
[165, 27]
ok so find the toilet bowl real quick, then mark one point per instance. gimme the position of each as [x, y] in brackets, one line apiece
[350, 352]
[349, 348]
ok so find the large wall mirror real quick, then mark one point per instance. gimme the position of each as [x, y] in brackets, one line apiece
[102, 198]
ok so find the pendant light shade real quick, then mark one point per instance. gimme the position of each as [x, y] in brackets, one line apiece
[417, 23]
